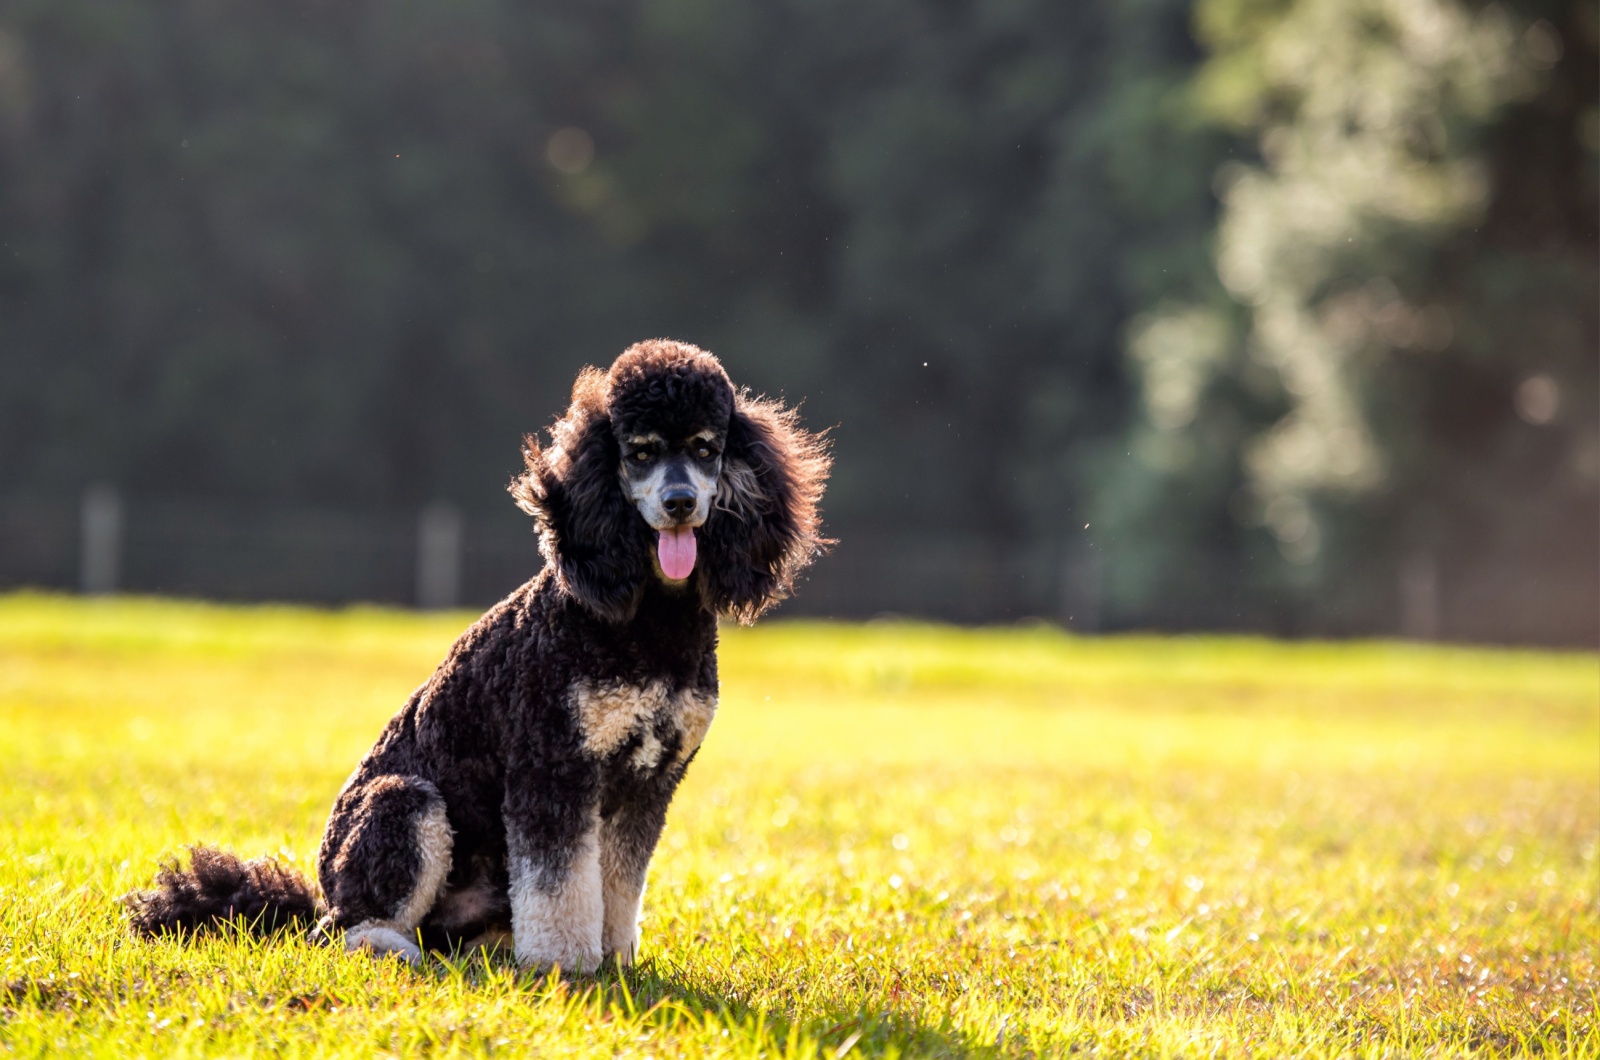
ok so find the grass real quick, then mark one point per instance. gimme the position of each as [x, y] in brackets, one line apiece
[898, 839]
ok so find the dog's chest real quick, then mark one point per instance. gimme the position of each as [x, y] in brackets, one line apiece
[644, 727]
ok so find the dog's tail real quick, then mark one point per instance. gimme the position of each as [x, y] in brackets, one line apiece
[261, 896]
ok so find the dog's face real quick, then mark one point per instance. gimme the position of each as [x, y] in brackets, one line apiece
[672, 480]
[660, 470]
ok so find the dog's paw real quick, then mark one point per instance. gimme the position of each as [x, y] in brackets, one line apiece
[491, 941]
[382, 940]
[324, 932]
[621, 945]
[582, 960]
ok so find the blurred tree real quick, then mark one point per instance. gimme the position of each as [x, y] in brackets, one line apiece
[346, 253]
[942, 213]
[302, 252]
[1412, 279]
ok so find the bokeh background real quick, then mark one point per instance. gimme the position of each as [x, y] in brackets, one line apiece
[1272, 315]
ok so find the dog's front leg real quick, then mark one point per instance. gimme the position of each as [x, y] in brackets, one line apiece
[556, 903]
[627, 839]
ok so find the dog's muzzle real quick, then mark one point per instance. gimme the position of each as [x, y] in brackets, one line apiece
[680, 507]
[679, 502]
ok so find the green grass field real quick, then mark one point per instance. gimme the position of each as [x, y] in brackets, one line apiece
[897, 839]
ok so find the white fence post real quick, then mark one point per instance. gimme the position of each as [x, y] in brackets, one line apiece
[100, 540]
[1082, 588]
[1419, 596]
[439, 533]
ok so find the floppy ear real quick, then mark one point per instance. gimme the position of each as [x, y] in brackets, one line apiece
[764, 527]
[590, 534]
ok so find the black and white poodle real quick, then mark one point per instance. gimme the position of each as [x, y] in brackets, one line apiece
[524, 786]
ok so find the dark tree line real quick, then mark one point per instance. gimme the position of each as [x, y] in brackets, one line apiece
[343, 254]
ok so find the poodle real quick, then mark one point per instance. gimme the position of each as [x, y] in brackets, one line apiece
[523, 787]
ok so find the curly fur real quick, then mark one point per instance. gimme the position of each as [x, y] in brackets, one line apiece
[525, 785]
[219, 887]
[767, 528]
[764, 530]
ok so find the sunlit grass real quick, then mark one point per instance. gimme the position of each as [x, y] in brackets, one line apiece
[897, 839]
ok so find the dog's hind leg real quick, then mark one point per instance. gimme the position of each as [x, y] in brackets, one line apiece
[384, 858]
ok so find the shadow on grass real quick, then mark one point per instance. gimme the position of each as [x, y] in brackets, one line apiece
[663, 993]
[670, 997]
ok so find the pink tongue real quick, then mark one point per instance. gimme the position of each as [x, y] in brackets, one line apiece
[676, 550]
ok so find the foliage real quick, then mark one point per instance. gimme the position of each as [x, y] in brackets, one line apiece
[345, 254]
[293, 252]
[1407, 378]
[897, 840]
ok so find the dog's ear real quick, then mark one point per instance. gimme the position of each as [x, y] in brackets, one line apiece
[764, 526]
[589, 532]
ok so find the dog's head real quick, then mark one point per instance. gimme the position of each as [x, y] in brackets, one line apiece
[661, 469]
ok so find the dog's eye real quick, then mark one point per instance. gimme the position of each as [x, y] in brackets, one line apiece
[703, 452]
[643, 456]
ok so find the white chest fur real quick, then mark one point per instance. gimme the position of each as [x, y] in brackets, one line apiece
[609, 715]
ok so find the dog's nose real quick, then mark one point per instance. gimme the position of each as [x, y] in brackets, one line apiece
[678, 502]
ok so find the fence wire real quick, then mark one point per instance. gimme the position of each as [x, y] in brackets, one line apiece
[440, 557]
